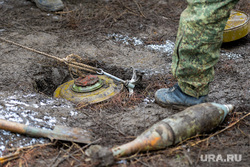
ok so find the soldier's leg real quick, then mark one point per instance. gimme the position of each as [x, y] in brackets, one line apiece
[197, 50]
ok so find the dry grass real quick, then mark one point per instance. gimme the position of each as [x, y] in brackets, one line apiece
[144, 89]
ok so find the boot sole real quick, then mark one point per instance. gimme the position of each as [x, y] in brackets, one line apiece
[174, 106]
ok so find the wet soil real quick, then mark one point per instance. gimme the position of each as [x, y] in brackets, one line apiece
[112, 35]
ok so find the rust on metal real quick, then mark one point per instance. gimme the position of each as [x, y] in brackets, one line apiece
[59, 133]
[88, 80]
[194, 120]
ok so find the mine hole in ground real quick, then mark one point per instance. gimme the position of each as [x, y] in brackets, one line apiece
[48, 77]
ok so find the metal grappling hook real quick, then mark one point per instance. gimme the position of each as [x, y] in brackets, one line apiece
[130, 84]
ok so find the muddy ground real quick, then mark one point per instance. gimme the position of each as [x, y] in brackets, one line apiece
[112, 35]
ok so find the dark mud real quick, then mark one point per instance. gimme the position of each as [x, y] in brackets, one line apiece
[112, 35]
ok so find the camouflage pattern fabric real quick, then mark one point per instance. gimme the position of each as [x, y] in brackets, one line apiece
[198, 43]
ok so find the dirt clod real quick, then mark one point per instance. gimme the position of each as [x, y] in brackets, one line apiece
[101, 156]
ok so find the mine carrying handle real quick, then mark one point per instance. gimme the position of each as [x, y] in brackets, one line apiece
[23, 129]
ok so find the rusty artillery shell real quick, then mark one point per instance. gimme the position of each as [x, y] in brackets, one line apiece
[193, 120]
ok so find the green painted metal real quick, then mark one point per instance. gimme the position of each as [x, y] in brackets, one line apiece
[85, 89]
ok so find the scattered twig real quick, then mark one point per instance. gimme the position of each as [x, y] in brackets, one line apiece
[128, 9]
[70, 155]
[188, 157]
[79, 148]
[137, 159]
[139, 8]
[24, 161]
[90, 144]
[59, 160]
[30, 147]
[242, 131]
[193, 137]
[115, 128]
[55, 159]
[65, 12]
[9, 158]
[220, 140]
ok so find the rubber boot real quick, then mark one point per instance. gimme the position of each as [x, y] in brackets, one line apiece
[49, 5]
[174, 96]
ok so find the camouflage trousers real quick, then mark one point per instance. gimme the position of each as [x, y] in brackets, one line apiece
[197, 47]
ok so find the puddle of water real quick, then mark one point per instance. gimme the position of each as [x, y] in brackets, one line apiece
[26, 109]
